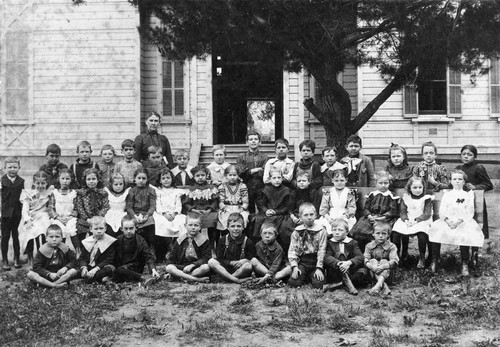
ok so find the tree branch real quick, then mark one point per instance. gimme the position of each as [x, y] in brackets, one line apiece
[364, 116]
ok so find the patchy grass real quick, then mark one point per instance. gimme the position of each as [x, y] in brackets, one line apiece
[242, 304]
[211, 328]
[30, 314]
[384, 338]
[379, 319]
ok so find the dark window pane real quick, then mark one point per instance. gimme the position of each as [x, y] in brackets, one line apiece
[167, 74]
[167, 102]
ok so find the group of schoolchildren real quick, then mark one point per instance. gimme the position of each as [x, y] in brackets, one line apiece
[281, 220]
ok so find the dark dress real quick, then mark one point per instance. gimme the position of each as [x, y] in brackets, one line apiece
[313, 168]
[477, 175]
[400, 175]
[377, 204]
[271, 198]
[150, 138]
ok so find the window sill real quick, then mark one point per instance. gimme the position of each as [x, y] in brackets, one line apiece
[433, 119]
[177, 122]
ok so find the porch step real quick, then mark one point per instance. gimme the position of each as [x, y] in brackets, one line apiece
[233, 151]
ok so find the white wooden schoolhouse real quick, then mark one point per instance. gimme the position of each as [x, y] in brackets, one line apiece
[72, 73]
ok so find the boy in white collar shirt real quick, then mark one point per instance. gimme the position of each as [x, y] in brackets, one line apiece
[331, 164]
[98, 253]
[343, 261]
[182, 172]
[280, 162]
[360, 170]
[307, 250]
[218, 166]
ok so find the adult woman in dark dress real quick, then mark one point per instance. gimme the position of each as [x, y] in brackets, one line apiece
[152, 138]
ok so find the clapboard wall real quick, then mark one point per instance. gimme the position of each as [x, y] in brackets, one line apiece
[69, 73]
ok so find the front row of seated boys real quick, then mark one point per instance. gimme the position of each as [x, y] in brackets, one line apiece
[312, 257]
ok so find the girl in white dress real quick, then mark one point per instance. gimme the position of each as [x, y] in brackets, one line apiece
[338, 202]
[456, 225]
[62, 207]
[117, 195]
[35, 218]
[169, 222]
[416, 213]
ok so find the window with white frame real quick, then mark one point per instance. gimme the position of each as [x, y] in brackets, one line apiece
[439, 92]
[173, 89]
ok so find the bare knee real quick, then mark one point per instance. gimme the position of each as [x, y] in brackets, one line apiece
[254, 262]
[31, 275]
[213, 263]
[247, 267]
[169, 268]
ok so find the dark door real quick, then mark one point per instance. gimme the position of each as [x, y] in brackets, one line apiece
[242, 81]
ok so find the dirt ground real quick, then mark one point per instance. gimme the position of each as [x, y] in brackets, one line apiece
[423, 310]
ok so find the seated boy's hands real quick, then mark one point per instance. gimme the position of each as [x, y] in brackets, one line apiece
[344, 266]
[62, 271]
[188, 268]
[318, 274]
[53, 276]
[155, 273]
[84, 272]
[92, 272]
[295, 273]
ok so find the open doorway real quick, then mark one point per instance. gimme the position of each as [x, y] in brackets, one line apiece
[247, 92]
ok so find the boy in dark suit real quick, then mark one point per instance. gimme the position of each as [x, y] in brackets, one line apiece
[343, 259]
[12, 186]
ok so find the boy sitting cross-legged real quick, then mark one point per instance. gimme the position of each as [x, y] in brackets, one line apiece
[307, 249]
[234, 252]
[343, 260]
[132, 254]
[54, 264]
[269, 260]
[191, 253]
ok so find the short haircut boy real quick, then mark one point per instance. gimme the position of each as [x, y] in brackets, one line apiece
[10, 160]
[96, 220]
[304, 206]
[383, 225]
[354, 139]
[219, 148]
[54, 149]
[429, 144]
[83, 144]
[328, 149]
[269, 225]
[235, 217]
[181, 153]
[309, 144]
[253, 133]
[54, 227]
[193, 215]
[128, 143]
[108, 148]
[128, 218]
[281, 141]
